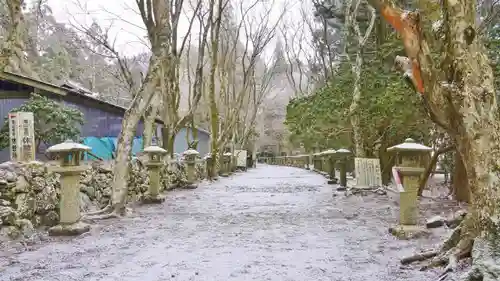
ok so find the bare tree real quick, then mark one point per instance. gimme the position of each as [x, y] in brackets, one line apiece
[155, 15]
[351, 12]
[171, 94]
[215, 25]
[299, 53]
[241, 45]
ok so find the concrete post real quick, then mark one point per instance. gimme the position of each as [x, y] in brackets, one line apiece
[409, 155]
[154, 164]
[190, 157]
[342, 155]
[70, 170]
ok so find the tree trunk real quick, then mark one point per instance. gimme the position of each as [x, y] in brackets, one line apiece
[430, 168]
[460, 97]
[168, 138]
[14, 32]
[472, 115]
[149, 124]
[459, 182]
[356, 69]
[353, 109]
[214, 113]
[131, 118]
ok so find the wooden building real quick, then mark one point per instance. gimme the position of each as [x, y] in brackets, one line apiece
[102, 119]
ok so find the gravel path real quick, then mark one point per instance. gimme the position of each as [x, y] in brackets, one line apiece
[270, 223]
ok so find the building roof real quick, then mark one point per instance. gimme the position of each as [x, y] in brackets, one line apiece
[58, 90]
[70, 88]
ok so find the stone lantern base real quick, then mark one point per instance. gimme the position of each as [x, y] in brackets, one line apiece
[152, 199]
[74, 229]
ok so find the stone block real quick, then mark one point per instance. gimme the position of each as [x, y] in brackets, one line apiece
[74, 229]
[434, 222]
[407, 232]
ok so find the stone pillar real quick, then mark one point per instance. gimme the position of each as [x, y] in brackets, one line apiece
[154, 164]
[315, 161]
[190, 156]
[410, 170]
[342, 155]
[321, 162]
[329, 157]
[70, 170]
[208, 162]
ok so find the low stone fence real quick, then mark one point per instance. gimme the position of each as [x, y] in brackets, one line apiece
[30, 193]
[54, 194]
[325, 163]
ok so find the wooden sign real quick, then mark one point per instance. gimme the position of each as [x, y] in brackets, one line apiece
[22, 136]
[241, 158]
[368, 172]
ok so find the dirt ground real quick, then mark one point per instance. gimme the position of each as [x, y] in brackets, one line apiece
[270, 223]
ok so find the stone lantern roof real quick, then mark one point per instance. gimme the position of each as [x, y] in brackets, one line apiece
[68, 146]
[190, 152]
[409, 145]
[155, 149]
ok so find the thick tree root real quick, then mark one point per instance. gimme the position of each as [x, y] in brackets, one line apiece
[457, 247]
[106, 209]
[109, 212]
[112, 215]
[419, 257]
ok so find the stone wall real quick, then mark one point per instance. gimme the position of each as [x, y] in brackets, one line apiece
[29, 192]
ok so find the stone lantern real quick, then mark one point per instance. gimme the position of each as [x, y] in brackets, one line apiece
[409, 166]
[190, 157]
[69, 169]
[154, 164]
[341, 156]
[329, 156]
[226, 161]
[208, 162]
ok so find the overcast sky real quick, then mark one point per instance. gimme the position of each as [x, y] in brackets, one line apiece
[127, 26]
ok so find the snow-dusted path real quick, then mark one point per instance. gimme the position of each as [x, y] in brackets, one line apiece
[271, 223]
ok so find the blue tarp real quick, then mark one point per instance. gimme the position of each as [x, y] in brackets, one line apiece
[105, 147]
[137, 145]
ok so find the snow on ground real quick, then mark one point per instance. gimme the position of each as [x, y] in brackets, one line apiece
[270, 223]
